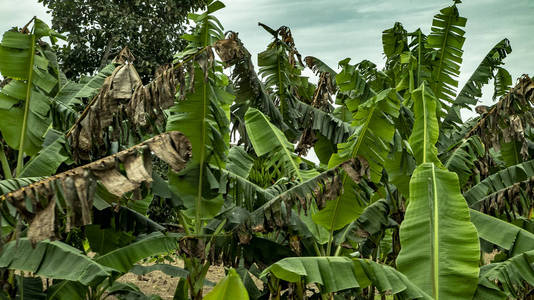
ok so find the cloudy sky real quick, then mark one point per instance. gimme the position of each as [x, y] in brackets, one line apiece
[335, 29]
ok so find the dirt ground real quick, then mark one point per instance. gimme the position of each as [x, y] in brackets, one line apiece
[161, 284]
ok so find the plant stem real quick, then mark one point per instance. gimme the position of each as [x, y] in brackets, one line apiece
[198, 221]
[316, 248]
[21, 285]
[371, 292]
[329, 245]
[5, 164]
[184, 223]
[20, 158]
[343, 237]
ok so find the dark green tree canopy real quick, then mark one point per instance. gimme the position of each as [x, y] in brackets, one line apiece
[99, 29]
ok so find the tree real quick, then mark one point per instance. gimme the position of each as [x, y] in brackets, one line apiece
[407, 202]
[98, 30]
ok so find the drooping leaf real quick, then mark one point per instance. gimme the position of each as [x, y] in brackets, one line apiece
[267, 138]
[462, 159]
[505, 280]
[170, 270]
[249, 90]
[69, 99]
[73, 190]
[340, 273]
[344, 209]
[54, 260]
[394, 40]
[123, 97]
[495, 186]
[66, 290]
[127, 291]
[124, 258]
[513, 114]
[472, 89]
[104, 240]
[503, 83]
[353, 85]
[322, 189]
[279, 68]
[374, 131]
[503, 234]
[334, 129]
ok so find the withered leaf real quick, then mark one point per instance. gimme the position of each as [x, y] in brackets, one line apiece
[512, 115]
[123, 98]
[115, 182]
[77, 186]
[138, 168]
[42, 226]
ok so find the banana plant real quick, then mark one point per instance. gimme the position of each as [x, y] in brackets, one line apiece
[442, 261]
[406, 201]
[31, 79]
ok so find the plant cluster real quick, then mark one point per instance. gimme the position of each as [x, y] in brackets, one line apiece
[406, 201]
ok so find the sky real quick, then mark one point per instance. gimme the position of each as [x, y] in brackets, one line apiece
[336, 29]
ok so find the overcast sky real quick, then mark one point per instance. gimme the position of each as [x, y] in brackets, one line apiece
[335, 29]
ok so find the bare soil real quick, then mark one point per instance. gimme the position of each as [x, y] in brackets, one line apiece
[159, 283]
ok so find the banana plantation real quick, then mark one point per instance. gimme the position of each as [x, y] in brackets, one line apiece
[359, 183]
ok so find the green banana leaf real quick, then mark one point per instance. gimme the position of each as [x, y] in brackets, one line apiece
[20, 61]
[447, 38]
[53, 260]
[440, 248]
[425, 132]
[506, 280]
[374, 131]
[340, 273]
[267, 138]
[231, 287]
[503, 234]
[124, 258]
[439, 244]
[472, 89]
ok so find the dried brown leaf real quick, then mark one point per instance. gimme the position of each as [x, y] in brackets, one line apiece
[77, 186]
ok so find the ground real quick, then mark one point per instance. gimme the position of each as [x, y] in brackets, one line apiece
[161, 284]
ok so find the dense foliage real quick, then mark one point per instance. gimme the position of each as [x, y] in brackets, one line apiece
[98, 29]
[207, 163]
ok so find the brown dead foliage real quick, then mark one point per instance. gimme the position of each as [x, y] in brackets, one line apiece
[74, 190]
[322, 97]
[123, 97]
[507, 120]
[511, 202]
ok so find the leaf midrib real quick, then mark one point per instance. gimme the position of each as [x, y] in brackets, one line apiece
[435, 223]
[284, 148]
